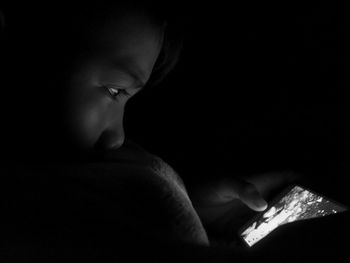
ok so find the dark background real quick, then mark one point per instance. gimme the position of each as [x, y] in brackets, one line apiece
[259, 86]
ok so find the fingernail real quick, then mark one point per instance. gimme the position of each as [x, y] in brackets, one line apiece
[261, 204]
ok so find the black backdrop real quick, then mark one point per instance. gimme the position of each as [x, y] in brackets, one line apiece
[259, 86]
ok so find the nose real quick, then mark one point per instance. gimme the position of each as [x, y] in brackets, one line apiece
[111, 139]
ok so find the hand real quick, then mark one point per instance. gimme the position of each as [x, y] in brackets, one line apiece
[271, 183]
[214, 200]
[224, 206]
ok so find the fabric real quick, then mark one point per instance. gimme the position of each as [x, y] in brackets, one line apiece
[116, 203]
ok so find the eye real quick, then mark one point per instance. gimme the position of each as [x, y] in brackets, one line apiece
[115, 93]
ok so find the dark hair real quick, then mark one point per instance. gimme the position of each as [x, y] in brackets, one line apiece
[163, 14]
[44, 39]
[70, 24]
[172, 46]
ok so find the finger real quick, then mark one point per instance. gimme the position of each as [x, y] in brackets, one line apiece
[267, 182]
[250, 196]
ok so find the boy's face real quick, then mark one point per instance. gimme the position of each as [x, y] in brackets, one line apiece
[102, 82]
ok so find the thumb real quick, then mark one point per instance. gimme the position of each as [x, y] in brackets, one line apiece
[250, 196]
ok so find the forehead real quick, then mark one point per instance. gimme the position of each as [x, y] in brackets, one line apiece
[132, 39]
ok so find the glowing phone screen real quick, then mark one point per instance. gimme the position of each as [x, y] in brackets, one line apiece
[297, 204]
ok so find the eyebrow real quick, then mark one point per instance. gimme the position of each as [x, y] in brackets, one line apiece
[131, 69]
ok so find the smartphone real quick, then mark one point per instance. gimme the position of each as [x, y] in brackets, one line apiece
[294, 204]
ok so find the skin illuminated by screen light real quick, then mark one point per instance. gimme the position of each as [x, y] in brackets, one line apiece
[297, 204]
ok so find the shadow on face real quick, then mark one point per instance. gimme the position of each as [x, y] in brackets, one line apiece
[64, 100]
[101, 82]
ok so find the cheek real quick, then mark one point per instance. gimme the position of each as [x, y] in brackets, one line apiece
[86, 122]
[85, 106]
[90, 119]
[87, 117]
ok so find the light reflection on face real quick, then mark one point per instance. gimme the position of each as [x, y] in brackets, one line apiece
[101, 84]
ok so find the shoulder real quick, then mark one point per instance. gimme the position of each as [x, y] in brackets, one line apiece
[159, 182]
